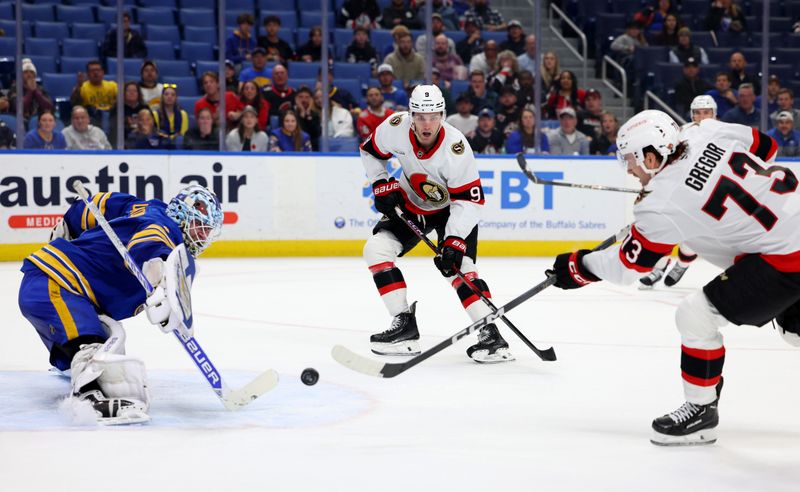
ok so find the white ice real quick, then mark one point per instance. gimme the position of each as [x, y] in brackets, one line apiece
[580, 423]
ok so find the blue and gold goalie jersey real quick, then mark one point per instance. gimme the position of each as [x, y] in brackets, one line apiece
[91, 267]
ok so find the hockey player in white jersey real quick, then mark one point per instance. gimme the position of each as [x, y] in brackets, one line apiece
[712, 189]
[702, 107]
[440, 189]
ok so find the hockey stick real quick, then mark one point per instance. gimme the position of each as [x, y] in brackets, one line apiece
[379, 369]
[231, 399]
[548, 354]
[523, 164]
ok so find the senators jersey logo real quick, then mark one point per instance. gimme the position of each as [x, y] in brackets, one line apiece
[428, 190]
[458, 147]
[395, 120]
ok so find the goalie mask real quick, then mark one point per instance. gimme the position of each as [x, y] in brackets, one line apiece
[650, 130]
[198, 212]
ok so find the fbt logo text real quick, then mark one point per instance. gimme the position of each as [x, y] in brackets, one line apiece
[514, 190]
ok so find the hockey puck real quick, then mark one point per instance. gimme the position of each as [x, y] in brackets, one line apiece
[310, 376]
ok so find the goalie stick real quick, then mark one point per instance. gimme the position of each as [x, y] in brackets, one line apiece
[379, 369]
[230, 398]
[523, 164]
[547, 355]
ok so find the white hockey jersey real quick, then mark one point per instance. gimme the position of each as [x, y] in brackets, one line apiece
[723, 198]
[446, 175]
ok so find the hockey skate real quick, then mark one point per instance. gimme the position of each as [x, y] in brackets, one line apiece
[401, 339]
[674, 275]
[114, 411]
[689, 425]
[491, 347]
[652, 278]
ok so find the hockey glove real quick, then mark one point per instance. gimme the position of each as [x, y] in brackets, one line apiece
[570, 272]
[60, 230]
[450, 254]
[387, 196]
[158, 309]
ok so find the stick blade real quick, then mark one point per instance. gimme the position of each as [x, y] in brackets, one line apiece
[358, 363]
[263, 383]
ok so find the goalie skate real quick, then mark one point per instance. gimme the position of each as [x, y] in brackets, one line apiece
[402, 338]
[115, 411]
[491, 347]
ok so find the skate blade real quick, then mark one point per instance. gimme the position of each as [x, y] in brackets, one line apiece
[500, 355]
[134, 418]
[406, 347]
[643, 286]
[699, 438]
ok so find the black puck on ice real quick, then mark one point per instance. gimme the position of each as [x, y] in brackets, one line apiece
[310, 376]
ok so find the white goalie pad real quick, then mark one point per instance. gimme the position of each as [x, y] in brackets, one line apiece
[119, 375]
[178, 275]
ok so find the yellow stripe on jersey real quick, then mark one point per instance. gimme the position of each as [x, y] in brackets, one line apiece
[61, 308]
[152, 232]
[87, 218]
[85, 286]
[53, 272]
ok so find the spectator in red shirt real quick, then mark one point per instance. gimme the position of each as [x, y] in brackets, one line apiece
[210, 100]
[250, 95]
[373, 115]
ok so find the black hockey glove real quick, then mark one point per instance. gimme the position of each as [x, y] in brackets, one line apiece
[387, 196]
[570, 272]
[451, 252]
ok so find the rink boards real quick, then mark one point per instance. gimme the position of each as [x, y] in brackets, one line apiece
[311, 204]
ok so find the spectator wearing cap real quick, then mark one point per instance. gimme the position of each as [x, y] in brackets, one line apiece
[149, 85]
[624, 46]
[527, 60]
[279, 95]
[437, 28]
[523, 139]
[277, 49]
[258, 72]
[685, 49]
[393, 98]
[606, 142]
[241, 43]
[786, 104]
[373, 115]
[35, 98]
[247, 136]
[308, 115]
[445, 9]
[486, 62]
[784, 133]
[134, 44]
[690, 86]
[463, 119]
[361, 50]
[723, 95]
[726, 16]
[745, 113]
[312, 50]
[486, 17]
[564, 94]
[93, 92]
[81, 135]
[516, 38]
[507, 112]
[363, 13]
[289, 137]
[406, 64]
[487, 139]
[567, 140]
[447, 62]
[172, 121]
[401, 12]
[472, 44]
[739, 76]
[479, 92]
[590, 120]
[211, 88]
[250, 95]
[204, 136]
[45, 137]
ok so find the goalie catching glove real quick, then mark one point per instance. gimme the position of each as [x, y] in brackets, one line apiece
[451, 253]
[570, 272]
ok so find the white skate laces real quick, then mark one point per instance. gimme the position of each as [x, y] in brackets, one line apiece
[684, 413]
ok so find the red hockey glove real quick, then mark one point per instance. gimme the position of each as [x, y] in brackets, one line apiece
[451, 252]
[570, 272]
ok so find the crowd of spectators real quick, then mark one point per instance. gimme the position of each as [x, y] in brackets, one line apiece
[487, 81]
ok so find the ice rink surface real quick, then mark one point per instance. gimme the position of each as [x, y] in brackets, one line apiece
[581, 423]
